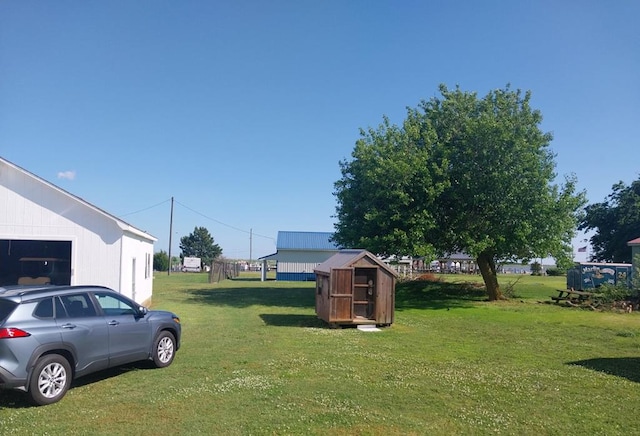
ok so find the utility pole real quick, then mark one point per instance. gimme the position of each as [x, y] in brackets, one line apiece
[170, 234]
[250, 246]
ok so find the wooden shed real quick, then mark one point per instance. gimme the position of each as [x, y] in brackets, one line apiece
[355, 287]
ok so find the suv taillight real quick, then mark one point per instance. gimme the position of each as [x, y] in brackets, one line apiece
[7, 333]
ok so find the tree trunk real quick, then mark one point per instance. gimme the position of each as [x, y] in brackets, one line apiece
[488, 270]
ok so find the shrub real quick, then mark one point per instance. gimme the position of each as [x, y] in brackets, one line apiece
[428, 277]
[536, 269]
[556, 272]
[509, 289]
[611, 293]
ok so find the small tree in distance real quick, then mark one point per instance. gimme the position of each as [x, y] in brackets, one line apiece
[161, 261]
[536, 269]
[200, 244]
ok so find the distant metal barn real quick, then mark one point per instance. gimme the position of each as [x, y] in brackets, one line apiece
[355, 287]
[298, 253]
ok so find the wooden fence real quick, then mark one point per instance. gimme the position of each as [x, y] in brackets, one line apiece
[223, 270]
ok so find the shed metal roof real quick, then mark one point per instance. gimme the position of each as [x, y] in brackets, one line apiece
[288, 240]
[347, 257]
[340, 259]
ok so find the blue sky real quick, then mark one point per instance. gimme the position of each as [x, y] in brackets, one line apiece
[241, 110]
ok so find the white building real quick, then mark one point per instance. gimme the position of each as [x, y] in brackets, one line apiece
[48, 235]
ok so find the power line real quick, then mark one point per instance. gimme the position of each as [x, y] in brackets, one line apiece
[146, 208]
[221, 223]
[198, 213]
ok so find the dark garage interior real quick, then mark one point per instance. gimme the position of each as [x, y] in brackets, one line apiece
[35, 262]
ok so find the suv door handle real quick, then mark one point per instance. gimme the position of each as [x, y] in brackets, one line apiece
[68, 326]
[114, 322]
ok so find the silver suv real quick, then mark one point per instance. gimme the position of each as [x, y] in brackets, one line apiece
[50, 335]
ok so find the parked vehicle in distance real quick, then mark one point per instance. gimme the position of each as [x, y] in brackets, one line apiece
[50, 335]
[191, 264]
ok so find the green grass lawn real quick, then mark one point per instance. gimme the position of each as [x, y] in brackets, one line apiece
[256, 360]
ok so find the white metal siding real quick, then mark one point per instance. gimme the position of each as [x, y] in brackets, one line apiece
[296, 267]
[142, 251]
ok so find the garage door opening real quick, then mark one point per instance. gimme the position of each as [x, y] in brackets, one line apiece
[29, 262]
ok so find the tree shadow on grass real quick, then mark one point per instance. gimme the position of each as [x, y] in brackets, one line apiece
[255, 295]
[409, 295]
[292, 320]
[627, 367]
[421, 294]
[252, 279]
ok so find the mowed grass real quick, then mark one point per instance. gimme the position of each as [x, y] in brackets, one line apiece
[255, 360]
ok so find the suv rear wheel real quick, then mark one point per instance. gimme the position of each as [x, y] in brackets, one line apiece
[50, 380]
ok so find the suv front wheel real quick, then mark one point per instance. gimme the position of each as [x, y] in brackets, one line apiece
[164, 349]
[50, 380]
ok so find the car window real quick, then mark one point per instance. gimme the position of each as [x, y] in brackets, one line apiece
[78, 305]
[6, 307]
[113, 306]
[60, 312]
[44, 309]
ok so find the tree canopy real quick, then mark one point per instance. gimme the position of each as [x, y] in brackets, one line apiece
[200, 244]
[616, 222]
[386, 193]
[462, 173]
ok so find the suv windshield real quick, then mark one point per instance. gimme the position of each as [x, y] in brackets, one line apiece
[6, 307]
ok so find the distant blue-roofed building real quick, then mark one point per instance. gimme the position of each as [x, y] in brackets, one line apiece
[298, 253]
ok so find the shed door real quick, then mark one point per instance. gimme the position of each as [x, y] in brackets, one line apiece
[341, 297]
[365, 293]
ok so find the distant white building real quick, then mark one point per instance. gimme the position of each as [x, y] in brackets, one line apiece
[48, 235]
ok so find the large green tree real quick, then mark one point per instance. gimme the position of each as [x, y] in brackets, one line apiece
[200, 244]
[461, 174]
[615, 221]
